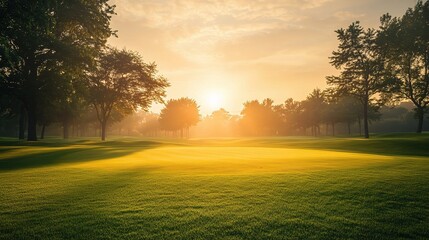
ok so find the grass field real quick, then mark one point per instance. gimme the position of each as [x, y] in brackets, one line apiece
[264, 188]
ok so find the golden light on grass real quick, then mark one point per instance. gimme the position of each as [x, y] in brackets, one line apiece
[236, 160]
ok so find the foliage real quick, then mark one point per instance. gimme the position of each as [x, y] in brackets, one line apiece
[121, 82]
[313, 110]
[44, 43]
[179, 114]
[362, 64]
[406, 42]
[261, 118]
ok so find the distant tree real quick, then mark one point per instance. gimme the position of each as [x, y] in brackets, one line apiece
[220, 115]
[290, 112]
[331, 116]
[40, 39]
[46, 115]
[363, 74]
[313, 110]
[86, 120]
[341, 109]
[121, 82]
[179, 114]
[261, 118]
[349, 111]
[10, 108]
[406, 40]
[218, 123]
[149, 125]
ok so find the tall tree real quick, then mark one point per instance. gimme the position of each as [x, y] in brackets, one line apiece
[47, 36]
[179, 114]
[362, 66]
[121, 82]
[406, 40]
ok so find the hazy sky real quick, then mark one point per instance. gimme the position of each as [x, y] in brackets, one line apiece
[223, 53]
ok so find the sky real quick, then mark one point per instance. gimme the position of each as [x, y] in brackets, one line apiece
[226, 52]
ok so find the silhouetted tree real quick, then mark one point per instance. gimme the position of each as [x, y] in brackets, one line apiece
[40, 37]
[313, 110]
[179, 114]
[290, 112]
[361, 62]
[406, 40]
[122, 82]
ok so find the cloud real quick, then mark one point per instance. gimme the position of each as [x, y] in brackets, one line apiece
[254, 48]
[348, 16]
[195, 28]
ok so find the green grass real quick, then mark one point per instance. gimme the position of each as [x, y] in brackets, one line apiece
[259, 188]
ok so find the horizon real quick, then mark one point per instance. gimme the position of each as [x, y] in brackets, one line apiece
[324, 130]
[224, 54]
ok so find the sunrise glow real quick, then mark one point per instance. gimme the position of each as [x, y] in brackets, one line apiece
[214, 100]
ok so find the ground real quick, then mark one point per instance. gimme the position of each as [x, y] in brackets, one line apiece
[259, 188]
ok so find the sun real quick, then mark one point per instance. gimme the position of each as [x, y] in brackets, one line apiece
[214, 100]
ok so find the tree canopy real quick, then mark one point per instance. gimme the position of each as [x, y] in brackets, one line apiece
[179, 114]
[44, 42]
[406, 41]
[122, 82]
[362, 65]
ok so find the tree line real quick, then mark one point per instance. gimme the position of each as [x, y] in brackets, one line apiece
[264, 118]
[317, 115]
[377, 66]
[385, 64]
[56, 69]
[55, 66]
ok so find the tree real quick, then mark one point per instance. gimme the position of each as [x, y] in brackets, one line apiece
[179, 114]
[406, 40]
[261, 118]
[290, 112]
[313, 110]
[46, 37]
[121, 82]
[149, 125]
[218, 123]
[363, 74]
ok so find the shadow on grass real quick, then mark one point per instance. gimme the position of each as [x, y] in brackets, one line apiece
[74, 153]
[395, 145]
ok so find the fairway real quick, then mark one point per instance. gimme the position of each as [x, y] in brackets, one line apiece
[249, 188]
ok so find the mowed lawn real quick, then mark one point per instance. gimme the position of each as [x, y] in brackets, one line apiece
[261, 188]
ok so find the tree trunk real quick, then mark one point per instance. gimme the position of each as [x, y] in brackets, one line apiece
[73, 132]
[420, 117]
[333, 129]
[348, 127]
[103, 130]
[327, 129]
[42, 134]
[31, 103]
[21, 134]
[365, 119]
[66, 126]
[181, 133]
[32, 123]
[360, 126]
